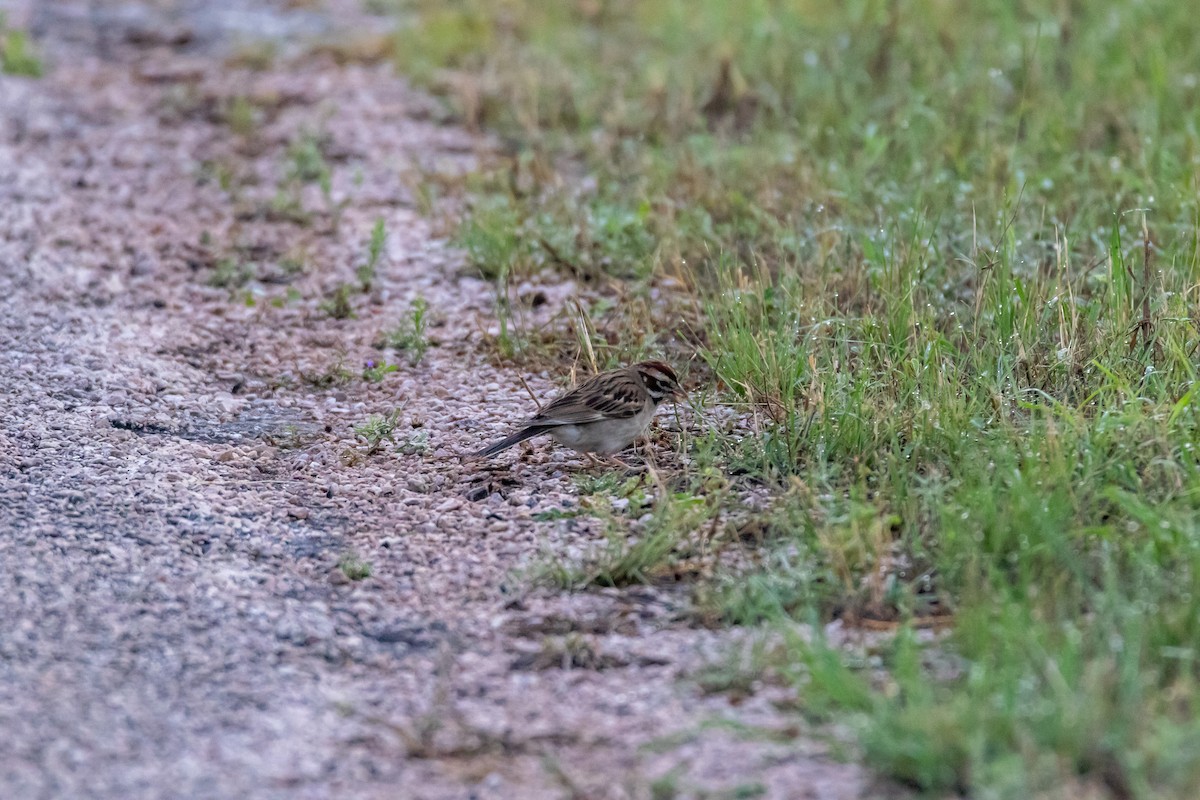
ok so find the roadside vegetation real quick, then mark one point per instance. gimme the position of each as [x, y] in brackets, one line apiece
[943, 257]
[17, 55]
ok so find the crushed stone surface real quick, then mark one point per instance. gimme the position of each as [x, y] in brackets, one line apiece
[180, 475]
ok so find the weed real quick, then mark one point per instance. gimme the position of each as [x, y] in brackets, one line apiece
[379, 428]
[242, 116]
[416, 443]
[287, 205]
[354, 567]
[305, 164]
[375, 372]
[231, 273]
[366, 271]
[337, 304]
[221, 173]
[609, 483]
[294, 262]
[290, 438]
[17, 57]
[306, 161]
[257, 54]
[491, 238]
[666, 787]
[336, 375]
[290, 296]
[409, 336]
[633, 553]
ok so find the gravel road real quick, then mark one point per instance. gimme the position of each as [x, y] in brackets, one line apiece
[180, 477]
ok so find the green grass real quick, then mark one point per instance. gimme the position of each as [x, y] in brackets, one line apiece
[354, 567]
[410, 335]
[366, 270]
[337, 303]
[305, 164]
[378, 428]
[17, 55]
[944, 258]
[376, 372]
[635, 550]
[231, 272]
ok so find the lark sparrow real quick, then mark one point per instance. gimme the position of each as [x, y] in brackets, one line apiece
[604, 414]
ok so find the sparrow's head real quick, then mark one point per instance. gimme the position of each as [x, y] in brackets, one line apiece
[660, 381]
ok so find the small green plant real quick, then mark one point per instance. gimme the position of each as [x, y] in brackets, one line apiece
[366, 271]
[634, 551]
[305, 164]
[221, 173]
[288, 206]
[379, 428]
[242, 116]
[375, 372]
[409, 336]
[337, 304]
[305, 160]
[354, 567]
[293, 263]
[256, 54]
[290, 296]
[416, 443]
[16, 55]
[336, 375]
[290, 438]
[491, 237]
[231, 273]
[608, 482]
[666, 786]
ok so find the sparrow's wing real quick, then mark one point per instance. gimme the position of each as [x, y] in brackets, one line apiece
[614, 395]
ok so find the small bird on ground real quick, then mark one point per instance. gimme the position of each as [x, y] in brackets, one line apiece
[602, 415]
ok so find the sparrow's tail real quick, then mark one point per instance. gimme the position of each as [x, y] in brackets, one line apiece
[504, 444]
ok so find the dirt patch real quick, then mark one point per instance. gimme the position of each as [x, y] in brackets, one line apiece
[181, 482]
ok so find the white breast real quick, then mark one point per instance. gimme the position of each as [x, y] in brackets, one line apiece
[606, 436]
